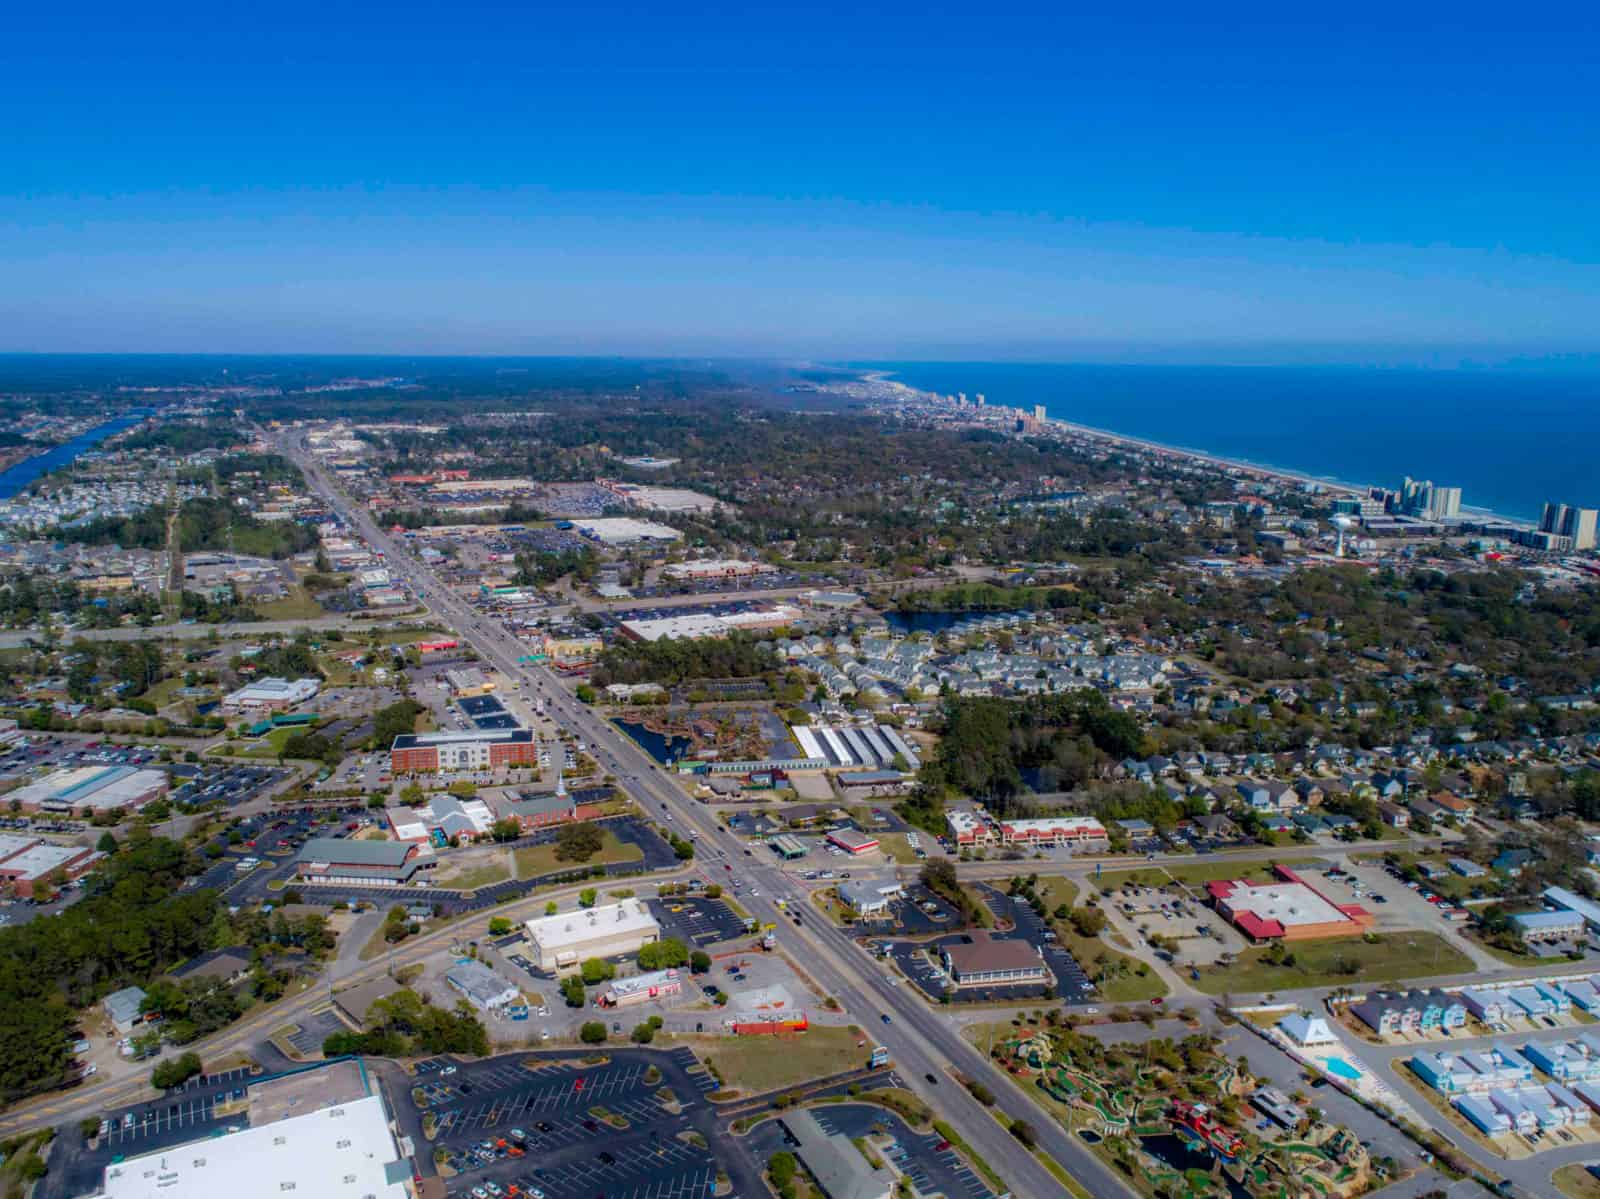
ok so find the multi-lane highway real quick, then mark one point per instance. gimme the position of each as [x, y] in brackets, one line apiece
[923, 1042]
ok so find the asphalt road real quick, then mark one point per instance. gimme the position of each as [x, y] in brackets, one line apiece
[921, 1041]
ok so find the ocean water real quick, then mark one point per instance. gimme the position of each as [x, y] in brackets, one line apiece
[1510, 441]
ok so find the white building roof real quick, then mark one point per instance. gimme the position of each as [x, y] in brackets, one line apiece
[273, 691]
[1287, 903]
[620, 530]
[341, 1152]
[567, 929]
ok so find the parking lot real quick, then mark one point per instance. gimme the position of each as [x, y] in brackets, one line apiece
[526, 1122]
[697, 921]
[931, 1168]
[1070, 982]
[199, 1108]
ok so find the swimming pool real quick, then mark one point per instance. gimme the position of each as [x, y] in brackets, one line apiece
[1340, 1068]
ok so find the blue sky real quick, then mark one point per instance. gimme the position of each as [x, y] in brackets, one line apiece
[1395, 183]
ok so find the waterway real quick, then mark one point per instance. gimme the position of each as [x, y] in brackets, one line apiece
[17, 479]
[933, 623]
[1178, 1153]
[663, 749]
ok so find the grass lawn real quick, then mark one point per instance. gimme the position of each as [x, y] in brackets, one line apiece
[1394, 956]
[534, 860]
[1196, 874]
[759, 1064]
[161, 694]
[895, 846]
[1576, 1181]
[1127, 986]
[269, 746]
[297, 604]
[473, 877]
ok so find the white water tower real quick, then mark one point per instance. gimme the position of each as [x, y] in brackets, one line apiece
[1344, 524]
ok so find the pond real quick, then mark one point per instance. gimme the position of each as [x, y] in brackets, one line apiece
[662, 748]
[1172, 1150]
[932, 623]
[1090, 1136]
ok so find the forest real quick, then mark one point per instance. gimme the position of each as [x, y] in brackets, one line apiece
[133, 924]
[991, 747]
[203, 524]
[673, 660]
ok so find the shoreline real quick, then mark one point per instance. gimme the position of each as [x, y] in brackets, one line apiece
[1208, 458]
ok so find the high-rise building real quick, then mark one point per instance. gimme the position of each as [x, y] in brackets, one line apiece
[1038, 412]
[1419, 497]
[1577, 524]
[1443, 501]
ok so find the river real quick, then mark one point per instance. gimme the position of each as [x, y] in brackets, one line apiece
[17, 479]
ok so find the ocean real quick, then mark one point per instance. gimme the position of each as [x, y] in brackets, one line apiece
[1510, 441]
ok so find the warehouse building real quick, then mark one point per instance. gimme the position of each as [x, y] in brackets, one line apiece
[341, 861]
[987, 962]
[91, 789]
[472, 749]
[323, 1131]
[560, 942]
[625, 530]
[691, 626]
[269, 695]
[482, 987]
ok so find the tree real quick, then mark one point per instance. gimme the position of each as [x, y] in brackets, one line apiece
[505, 830]
[699, 961]
[664, 954]
[596, 971]
[593, 1032]
[643, 1034]
[781, 1167]
[579, 842]
[1089, 922]
[714, 891]
[587, 897]
[176, 1071]
[107, 843]
[1025, 1133]
[572, 990]
[499, 926]
[551, 908]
